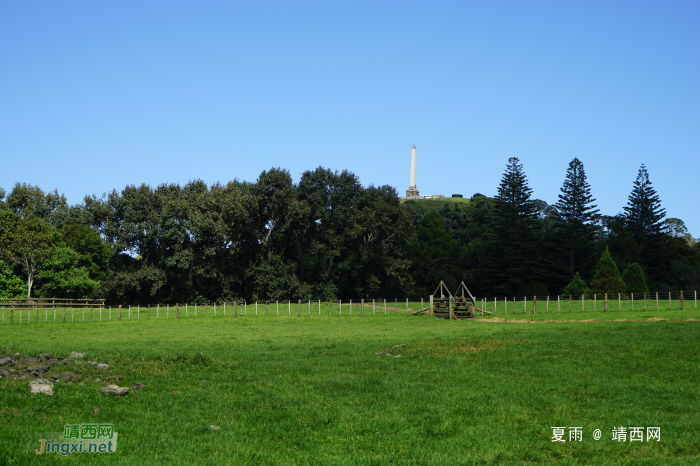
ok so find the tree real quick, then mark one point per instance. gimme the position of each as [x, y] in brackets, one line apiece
[633, 276]
[643, 212]
[674, 227]
[25, 199]
[576, 288]
[607, 277]
[514, 230]
[575, 232]
[26, 241]
[643, 220]
[11, 285]
[63, 277]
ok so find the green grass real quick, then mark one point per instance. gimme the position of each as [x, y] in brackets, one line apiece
[311, 390]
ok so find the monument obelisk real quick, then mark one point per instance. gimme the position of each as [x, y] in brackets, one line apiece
[412, 192]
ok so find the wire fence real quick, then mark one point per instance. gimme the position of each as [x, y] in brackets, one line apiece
[21, 312]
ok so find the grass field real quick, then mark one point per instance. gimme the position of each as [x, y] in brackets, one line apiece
[284, 390]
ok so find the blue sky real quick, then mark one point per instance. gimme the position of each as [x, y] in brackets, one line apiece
[95, 96]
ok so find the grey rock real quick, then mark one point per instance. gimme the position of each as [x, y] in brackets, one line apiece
[75, 355]
[6, 361]
[103, 366]
[121, 391]
[45, 388]
[137, 386]
[92, 363]
[45, 356]
[109, 389]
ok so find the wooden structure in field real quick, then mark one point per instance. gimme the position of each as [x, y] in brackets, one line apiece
[443, 304]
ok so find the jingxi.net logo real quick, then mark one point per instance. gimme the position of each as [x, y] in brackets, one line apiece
[79, 438]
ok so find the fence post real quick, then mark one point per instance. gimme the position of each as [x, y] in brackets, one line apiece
[569, 303]
[407, 305]
[494, 306]
[534, 305]
[525, 305]
[682, 307]
[340, 307]
[289, 307]
[351, 308]
[595, 303]
[319, 308]
[54, 315]
[632, 299]
[177, 310]
[619, 302]
[299, 314]
[583, 301]
[373, 307]
[309, 308]
[449, 309]
[120, 313]
[384, 307]
[657, 301]
[362, 308]
[421, 304]
[12, 316]
[696, 299]
[606, 302]
[547, 310]
[235, 309]
[669, 300]
[277, 303]
[645, 302]
[129, 313]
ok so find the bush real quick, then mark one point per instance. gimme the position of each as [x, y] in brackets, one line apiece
[576, 288]
[633, 277]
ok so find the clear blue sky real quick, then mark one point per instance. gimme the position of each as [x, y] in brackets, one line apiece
[95, 96]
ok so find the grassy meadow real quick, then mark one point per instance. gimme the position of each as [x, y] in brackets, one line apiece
[290, 391]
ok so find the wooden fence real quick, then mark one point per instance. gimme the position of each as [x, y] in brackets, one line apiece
[27, 311]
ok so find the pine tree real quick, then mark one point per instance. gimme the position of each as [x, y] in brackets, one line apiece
[576, 288]
[607, 277]
[633, 277]
[644, 221]
[575, 232]
[514, 230]
[643, 213]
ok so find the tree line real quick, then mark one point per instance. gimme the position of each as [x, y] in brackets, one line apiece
[328, 237]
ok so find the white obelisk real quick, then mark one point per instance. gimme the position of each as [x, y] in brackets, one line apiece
[412, 192]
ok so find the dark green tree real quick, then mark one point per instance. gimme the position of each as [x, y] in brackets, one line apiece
[576, 288]
[607, 278]
[644, 222]
[514, 233]
[25, 199]
[643, 213]
[575, 230]
[633, 276]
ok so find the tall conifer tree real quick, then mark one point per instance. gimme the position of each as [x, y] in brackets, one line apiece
[643, 213]
[514, 230]
[575, 232]
[644, 221]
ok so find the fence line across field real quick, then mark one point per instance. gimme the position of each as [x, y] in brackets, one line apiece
[61, 310]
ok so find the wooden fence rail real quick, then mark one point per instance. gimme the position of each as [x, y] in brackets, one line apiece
[25, 311]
